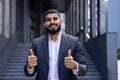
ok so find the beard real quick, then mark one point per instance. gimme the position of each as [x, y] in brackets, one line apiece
[53, 31]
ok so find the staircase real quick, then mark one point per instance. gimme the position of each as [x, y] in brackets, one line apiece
[15, 67]
[14, 70]
[93, 73]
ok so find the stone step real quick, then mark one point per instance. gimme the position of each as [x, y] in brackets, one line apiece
[89, 78]
[15, 67]
[20, 74]
[17, 78]
[22, 70]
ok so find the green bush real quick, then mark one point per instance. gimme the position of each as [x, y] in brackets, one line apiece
[118, 52]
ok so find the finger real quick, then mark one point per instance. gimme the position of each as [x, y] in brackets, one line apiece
[69, 53]
[32, 60]
[68, 66]
[31, 52]
[66, 58]
[32, 65]
[32, 57]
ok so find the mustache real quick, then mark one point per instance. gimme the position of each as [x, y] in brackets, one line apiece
[52, 24]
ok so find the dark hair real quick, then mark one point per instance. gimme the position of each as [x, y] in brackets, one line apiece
[50, 11]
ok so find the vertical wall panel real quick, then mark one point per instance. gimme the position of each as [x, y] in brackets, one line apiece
[93, 19]
[26, 28]
[0, 17]
[101, 17]
[85, 19]
[7, 19]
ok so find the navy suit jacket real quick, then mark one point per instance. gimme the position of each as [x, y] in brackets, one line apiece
[40, 49]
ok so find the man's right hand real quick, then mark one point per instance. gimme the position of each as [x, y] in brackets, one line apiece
[32, 59]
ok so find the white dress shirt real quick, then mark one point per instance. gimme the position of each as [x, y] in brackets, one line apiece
[54, 47]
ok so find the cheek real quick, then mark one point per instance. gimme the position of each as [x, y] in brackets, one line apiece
[46, 24]
[59, 22]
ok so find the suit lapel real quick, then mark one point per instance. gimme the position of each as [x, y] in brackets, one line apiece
[62, 47]
[45, 45]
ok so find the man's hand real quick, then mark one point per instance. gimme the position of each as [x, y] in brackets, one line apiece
[32, 59]
[69, 62]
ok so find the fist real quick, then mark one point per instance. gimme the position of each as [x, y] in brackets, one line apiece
[32, 59]
[69, 61]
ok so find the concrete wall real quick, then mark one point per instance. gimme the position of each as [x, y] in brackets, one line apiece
[103, 51]
[113, 17]
[8, 18]
[6, 50]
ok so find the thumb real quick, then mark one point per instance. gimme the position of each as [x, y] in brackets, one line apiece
[69, 53]
[31, 52]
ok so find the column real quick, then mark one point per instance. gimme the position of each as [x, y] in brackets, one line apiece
[26, 28]
[70, 20]
[93, 19]
[81, 14]
[77, 17]
[74, 17]
[101, 17]
[67, 20]
[71, 16]
[0, 17]
[7, 19]
[85, 19]
[81, 20]
[13, 18]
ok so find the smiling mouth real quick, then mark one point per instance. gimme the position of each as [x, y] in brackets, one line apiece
[53, 27]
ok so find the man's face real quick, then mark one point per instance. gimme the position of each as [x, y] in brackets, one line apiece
[52, 23]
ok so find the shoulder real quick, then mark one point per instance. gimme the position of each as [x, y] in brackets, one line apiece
[41, 38]
[70, 37]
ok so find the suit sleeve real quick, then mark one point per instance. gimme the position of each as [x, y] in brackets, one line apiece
[80, 58]
[33, 47]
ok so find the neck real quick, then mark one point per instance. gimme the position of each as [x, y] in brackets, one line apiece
[54, 36]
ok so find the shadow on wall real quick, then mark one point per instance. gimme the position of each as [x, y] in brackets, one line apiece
[6, 49]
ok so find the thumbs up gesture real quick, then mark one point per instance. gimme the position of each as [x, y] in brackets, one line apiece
[32, 59]
[69, 61]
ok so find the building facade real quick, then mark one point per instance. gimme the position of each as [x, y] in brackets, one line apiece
[21, 21]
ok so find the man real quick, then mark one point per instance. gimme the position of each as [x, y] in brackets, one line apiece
[55, 56]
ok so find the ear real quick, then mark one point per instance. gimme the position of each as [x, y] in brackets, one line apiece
[44, 25]
[61, 21]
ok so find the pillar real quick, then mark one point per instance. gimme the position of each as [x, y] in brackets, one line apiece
[26, 28]
[101, 17]
[0, 17]
[7, 19]
[71, 18]
[93, 19]
[77, 17]
[85, 20]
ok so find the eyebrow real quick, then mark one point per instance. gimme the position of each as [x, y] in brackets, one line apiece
[52, 17]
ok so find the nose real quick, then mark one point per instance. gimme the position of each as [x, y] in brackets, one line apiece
[52, 21]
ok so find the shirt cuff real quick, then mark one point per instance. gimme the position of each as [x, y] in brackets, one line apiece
[30, 71]
[75, 72]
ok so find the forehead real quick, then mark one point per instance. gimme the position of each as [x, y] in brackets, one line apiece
[51, 15]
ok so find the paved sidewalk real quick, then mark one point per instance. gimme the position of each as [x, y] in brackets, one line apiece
[118, 69]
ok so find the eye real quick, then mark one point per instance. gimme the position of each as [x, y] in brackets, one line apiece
[55, 18]
[48, 19]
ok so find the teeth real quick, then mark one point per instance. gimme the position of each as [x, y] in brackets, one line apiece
[53, 26]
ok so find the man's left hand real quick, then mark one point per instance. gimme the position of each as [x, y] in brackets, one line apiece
[70, 62]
